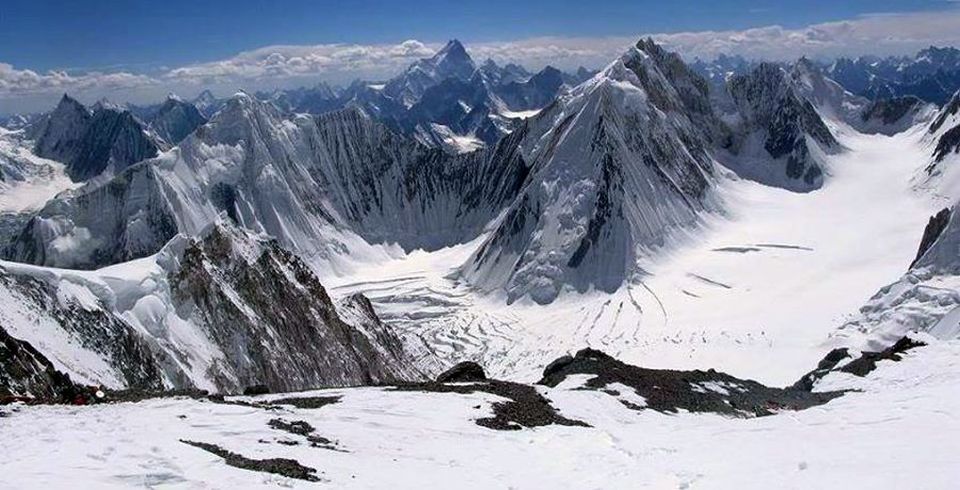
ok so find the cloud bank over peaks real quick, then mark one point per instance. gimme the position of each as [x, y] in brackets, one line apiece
[288, 65]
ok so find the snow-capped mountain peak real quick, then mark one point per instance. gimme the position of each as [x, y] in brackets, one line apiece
[452, 61]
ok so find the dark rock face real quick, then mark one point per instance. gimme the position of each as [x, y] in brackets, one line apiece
[59, 134]
[890, 111]
[256, 390]
[463, 372]
[861, 366]
[118, 343]
[114, 139]
[931, 233]
[175, 120]
[295, 340]
[534, 93]
[891, 116]
[949, 143]
[91, 142]
[949, 109]
[767, 102]
[694, 391]
[26, 373]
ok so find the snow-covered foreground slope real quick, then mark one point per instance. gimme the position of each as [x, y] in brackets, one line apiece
[755, 294]
[900, 431]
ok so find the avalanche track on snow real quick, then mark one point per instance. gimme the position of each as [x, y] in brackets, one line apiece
[763, 284]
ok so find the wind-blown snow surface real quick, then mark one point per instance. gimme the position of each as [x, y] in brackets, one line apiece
[900, 431]
[763, 285]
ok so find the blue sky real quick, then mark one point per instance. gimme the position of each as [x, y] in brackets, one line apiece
[137, 50]
[57, 34]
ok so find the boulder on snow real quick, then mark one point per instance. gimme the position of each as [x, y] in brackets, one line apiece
[255, 390]
[463, 372]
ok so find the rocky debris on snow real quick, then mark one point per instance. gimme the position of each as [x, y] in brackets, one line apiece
[670, 391]
[932, 232]
[827, 364]
[307, 402]
[217, 398]
[301, 428]
[280, 466]
[861, 366]
[463, 372]
[867, 361]
[525, 407]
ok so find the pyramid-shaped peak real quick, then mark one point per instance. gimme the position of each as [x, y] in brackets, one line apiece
[455, 48]
[68, 102]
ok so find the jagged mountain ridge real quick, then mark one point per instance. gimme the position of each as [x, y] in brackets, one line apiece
[222, 311]
[441, 99]
[580, 192]
[296, 179]
[932, 75]
[107, 139]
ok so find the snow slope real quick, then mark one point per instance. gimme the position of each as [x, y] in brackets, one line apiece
[900, 431]
[27, 181]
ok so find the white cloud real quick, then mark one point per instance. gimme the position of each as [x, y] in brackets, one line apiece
[297, 61]
[880, 34]
[15, 82]
[339, 63]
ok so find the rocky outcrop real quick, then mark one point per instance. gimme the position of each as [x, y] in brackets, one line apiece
[932, 232]
[275, 323]
[841, 360]
[25, 374]
[466, 371]
[68, 329]
[667, 390]
[224, 311]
